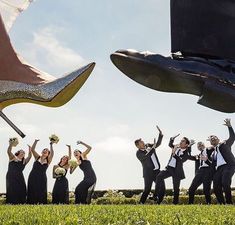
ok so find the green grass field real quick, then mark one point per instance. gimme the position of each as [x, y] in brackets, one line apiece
[116, 214]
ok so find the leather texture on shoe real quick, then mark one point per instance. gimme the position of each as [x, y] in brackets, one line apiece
[212, 80]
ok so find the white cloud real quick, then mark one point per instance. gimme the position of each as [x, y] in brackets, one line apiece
[47, 51]
[118, 129]
[115, 145]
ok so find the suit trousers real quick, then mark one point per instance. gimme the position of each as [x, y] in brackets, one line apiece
[148, 181]
[203, 27]
[203, 176]
[222, 182]
[169, 172]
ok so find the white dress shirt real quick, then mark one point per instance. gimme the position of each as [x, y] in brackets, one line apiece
[202, 162]
[218, 157]
[155, 163]
[172, 162]
[154, 159]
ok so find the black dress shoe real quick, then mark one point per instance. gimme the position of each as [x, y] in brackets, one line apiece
[213, 80]
[156, 201]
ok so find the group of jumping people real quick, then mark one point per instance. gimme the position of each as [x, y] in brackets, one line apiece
[215, 163]
[35, 192]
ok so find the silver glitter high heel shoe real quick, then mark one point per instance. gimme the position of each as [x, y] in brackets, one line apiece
[20, 82]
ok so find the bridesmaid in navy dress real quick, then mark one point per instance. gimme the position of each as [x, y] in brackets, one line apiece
[85, 188]
[60, 193]
[15, 182]
[37, 181]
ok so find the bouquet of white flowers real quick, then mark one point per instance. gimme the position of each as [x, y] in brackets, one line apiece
[54, 139]
[60, 171]
[14, 141]
[73, 162]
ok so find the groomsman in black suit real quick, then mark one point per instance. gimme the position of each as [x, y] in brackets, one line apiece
[203, 174]
[223, 162]
[150, 163]
[180, 153]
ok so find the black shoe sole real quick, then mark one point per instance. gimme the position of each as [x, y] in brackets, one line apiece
[190, 77]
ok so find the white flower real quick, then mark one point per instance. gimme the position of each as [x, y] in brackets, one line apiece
[60, 171]
[54, 139]
[73, 162]
[14, 141]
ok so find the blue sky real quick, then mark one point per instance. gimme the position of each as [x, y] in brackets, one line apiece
[110, 111]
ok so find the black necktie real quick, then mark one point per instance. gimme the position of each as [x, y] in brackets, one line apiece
[201, 161]
[178, 152]
[215, 155]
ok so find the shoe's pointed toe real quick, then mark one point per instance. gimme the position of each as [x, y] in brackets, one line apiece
[155, 71]
[135, 67]
[63, 89]
[211, 80]
[21, 82]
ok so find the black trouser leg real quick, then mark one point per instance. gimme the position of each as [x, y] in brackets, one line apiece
[148, 181]
[203, 27]
[197, 181]
[176, 188]
[227, 175]
[207, 188]
[157, 187]
[217, 185]
[160, 184]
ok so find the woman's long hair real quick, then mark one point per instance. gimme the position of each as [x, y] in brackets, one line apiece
[17, 153]
[61, 160]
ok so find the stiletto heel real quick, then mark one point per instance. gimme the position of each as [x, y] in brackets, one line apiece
[12, 124]
[20, 82]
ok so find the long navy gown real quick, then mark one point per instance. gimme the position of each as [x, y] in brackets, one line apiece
[85, 188]
[37, 184]
[15, 183]
[60, 193]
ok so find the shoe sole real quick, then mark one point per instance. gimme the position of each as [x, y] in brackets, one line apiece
[59, 99]
[160, 76]
[156, 76]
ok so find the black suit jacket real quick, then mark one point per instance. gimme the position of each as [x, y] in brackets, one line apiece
[226, 150]
[145, 158]
[209, 151]
[178, 171]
